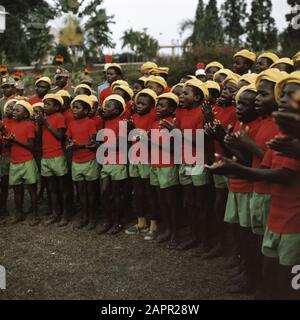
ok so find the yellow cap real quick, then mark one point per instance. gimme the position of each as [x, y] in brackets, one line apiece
[84, 86]
[251, 87]
[82, 98]
[214, 64]
[269, 55]
[8, 102]
[249, 77]
[38, 104]
[125, 88]
[296, 57]
[159, 70]
[170, 96]
[294, 77]
[234, 78]
[272, 75]
[93, 98]
[157, 79]
[225, 71]
[180, 84]
[212, 85]
[46, 79]
[26, 105]
[200, 85]
[143, 79]
[246, 54]
[283, 60]
[119, 82]
[118, 98]
[63, 93]
[148, 92]
[148, 65]
[114, 65]
[53, 96]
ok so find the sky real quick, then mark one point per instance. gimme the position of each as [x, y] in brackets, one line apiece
[162, 18]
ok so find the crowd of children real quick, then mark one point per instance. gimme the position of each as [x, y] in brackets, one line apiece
[243, 204]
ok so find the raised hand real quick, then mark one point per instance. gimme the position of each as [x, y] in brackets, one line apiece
[222, 165]
[286, 146]
[288, 122]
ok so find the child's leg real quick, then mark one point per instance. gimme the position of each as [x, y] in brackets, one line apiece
[92, 187]
[63, 184]
[83, 198]
[18, 196]
[270, 285]
[161, 196]
[139, 199]
[219, 209]
[152, 204]
[32, 189]
[53, 186]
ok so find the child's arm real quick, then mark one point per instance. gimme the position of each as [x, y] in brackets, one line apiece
[58, 133]
[29, 145]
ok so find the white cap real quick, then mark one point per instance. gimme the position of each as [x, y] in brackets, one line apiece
[200, 72]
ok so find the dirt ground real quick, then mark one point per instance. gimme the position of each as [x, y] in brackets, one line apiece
[63, 263]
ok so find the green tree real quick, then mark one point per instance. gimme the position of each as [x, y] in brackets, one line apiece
[234, 16]
[290, 37]
[261, 29]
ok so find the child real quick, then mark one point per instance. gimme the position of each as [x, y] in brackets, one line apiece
[23, 169]
[212, 68]
[139, 85]
[214, 91]
[65, 109]
[157, 84]
[93, 114]
[83, 89]
[243, 61]
[265, 60]
[144, 117]
[221, 75]
[85, 172]
[147, 67]
[7, 124]
[177, 89]
[113, 173]
[42, 87]
[284, 64]
[127, 94]
[53, 163]
[164, 176]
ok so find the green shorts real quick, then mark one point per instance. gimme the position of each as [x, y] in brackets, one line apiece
[54, 166]
[196, 175]
[285, 247]
[165, 177]
[221, 182]
[4, 166]
[139, 170]
[23, 173]
[85, 171]
[238, 208]
[116, 172]
[259, 210]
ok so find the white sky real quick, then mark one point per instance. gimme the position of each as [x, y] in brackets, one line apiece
[163, 17]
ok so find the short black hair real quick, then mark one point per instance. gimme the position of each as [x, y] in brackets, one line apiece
[197, 92]
[117, 70]
[141, 83]
[150, 99]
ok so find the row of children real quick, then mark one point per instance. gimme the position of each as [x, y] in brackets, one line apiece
[235, 109]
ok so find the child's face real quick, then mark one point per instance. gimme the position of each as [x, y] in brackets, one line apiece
[121, 93]
[61, 81]
[111, 75]
[9, 110]
[287, 95]
[20, 113]
[158, 89]
[110, 110]
[210, 72]
[163, 109]
[93, 109]
[240, 65]
[228, 93]
[220, 78]
[42, 88]
[265, 102]
[83, 91]
[79, 111]
[284, 67]
[8, 90]
[262, 64]
[245, 109]
[188, 98]
[37, 111]
[178, 91]
[50, 107]
[143, 105]
[137, 87]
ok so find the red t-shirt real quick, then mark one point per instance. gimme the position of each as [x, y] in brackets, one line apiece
[116, 157]
[8, 123]
[158, 153]
[104, 94]
[80, 132]
[68, 115]
[190, 119]
[34, 99]
[240, 185]
[128, 111]
[98, 122]
[51, 147]
[23, 131]
[268, 130]
[227, 116]
[284, 215]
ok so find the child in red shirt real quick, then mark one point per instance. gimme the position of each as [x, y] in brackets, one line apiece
[42, 87]
[81, 135]
[127, 94]
[23, 169]
[93, 114]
